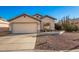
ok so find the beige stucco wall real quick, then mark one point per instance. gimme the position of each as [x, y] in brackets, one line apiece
[48, 20]
[4, 25]
[26, 19]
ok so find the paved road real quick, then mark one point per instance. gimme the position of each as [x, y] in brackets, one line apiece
[17, 42]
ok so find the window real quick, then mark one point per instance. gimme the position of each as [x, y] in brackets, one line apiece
[47, 24]
[47, 27]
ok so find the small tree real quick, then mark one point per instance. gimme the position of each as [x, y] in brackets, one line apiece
[67, 26]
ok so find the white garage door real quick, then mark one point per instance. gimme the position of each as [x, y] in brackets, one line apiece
[24, 28]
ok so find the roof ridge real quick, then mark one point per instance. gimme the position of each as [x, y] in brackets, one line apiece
[23, 15]
[37, 14]
[49, 17]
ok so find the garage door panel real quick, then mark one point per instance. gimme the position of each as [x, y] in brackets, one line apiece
[25, 28]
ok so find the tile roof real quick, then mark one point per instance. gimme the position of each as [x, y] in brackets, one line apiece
[23, 15]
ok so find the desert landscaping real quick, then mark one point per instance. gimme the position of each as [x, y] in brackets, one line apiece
[66, 41]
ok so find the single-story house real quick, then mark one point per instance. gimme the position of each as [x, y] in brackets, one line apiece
[31, 24]
[4, 25]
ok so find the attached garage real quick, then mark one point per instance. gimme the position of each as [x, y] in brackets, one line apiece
[24, 28]
[24, 24]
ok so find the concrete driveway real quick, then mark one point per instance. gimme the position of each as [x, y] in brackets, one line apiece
[17, 42]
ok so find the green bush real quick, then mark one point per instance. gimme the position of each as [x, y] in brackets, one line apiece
[70, 27]
[67, 27]
[66, 24]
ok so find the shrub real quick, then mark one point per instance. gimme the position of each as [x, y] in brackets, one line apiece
[75, 28]
[67, 27]
[66, 24]
[70, 27]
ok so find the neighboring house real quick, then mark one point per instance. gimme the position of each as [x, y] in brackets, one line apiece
[4, 25]
[31, 24]
[75, 21]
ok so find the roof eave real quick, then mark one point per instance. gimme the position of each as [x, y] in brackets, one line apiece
[22, 15]
[50, 17]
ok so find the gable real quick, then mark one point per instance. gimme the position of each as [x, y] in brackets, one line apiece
[47, 19]
[37, 16]
[24, 18]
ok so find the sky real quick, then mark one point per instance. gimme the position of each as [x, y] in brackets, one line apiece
[8, 12]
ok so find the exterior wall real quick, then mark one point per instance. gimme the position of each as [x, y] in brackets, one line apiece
[25, 20]
[48, 20]
[4, 29]
[4, 26]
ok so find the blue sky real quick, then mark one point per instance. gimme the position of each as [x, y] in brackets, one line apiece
[58, 12]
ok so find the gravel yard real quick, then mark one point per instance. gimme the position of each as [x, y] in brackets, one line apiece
[66, 41]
